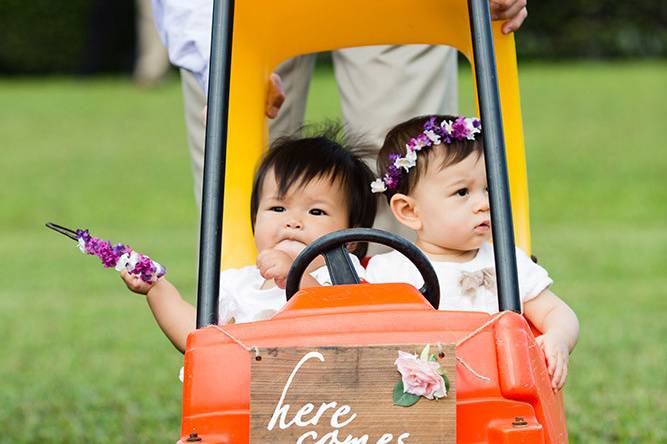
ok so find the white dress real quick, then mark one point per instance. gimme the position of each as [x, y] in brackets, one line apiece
[243, 300]
[465, 286]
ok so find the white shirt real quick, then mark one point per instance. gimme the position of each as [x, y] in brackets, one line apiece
[394, 267]
[243, 300]
[185, 29]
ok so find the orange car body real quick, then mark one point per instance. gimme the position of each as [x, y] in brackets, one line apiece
[516, 404]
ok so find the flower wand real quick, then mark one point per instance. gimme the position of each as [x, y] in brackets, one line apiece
[117, 256]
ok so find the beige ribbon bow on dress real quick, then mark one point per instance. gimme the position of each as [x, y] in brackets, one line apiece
[471, 281]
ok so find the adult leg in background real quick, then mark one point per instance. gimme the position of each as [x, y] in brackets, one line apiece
[152, 61]
[194, 102]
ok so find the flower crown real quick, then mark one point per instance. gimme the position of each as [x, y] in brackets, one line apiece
[462, 128]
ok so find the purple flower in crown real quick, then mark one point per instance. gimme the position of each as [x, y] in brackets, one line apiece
[391, 181]
[474, 126]
[464, 128]
[430, 125]
[392, 176]
[459, 129]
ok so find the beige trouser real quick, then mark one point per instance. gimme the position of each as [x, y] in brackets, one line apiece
[379, 86]
[152, 61]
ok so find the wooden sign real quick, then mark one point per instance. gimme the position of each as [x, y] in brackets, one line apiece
[332, 395]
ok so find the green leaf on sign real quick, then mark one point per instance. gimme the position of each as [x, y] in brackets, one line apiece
[403, 399]
[446, 383]
[425, 352]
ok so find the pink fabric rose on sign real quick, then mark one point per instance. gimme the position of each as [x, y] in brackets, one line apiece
[420, 377]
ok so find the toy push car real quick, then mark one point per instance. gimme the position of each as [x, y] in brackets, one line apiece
[503, 392]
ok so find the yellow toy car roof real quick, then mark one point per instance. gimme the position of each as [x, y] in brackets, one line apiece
[266, 32]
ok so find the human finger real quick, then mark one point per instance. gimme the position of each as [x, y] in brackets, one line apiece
[515, 22]
[551, 363]
[563, 376]
[280, 282]
[506, 9]
[275, 96]
[267, 271]
[558, 371]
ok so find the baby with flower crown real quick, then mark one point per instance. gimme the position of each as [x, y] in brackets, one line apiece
[433, 176]
[304, 188]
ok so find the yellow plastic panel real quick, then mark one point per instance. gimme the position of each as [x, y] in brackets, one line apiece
[266, 32]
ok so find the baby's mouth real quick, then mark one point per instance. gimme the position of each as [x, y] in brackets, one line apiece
[483, 227]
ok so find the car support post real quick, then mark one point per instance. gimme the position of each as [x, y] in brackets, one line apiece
[494, 152]
[208, 287]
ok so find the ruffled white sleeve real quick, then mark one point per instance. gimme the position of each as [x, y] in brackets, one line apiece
[533, 278]
[228, 306]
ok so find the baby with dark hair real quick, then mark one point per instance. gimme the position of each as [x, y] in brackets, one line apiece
[304, 188]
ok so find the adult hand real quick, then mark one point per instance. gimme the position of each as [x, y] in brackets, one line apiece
[514, 12]
[275, 97]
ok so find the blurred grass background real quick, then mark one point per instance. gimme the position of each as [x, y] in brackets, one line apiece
[82, 358]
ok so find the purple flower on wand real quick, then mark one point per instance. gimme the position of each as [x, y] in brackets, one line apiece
[117, 256]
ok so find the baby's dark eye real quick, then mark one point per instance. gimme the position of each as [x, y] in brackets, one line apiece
[462, 192]
[277, 209]
[317, 212]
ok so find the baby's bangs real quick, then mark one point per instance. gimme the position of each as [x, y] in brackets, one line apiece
[300, 172]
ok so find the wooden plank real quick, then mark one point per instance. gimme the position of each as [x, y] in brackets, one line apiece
[344, 395]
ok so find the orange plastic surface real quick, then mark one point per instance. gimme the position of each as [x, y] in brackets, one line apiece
[216, 389]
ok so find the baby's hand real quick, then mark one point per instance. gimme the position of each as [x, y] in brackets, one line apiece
[274, 264]
[134, 282]
[557, 354]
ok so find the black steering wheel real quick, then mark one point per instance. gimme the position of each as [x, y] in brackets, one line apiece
[333, 247]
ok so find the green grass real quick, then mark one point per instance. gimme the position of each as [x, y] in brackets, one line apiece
[82, 359]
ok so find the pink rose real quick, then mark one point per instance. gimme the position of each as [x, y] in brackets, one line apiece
[420, 377]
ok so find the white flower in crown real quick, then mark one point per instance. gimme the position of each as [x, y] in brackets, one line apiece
[447, 126]
[471, 129]
[433, 136]
[406, 162]
[378, 186]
